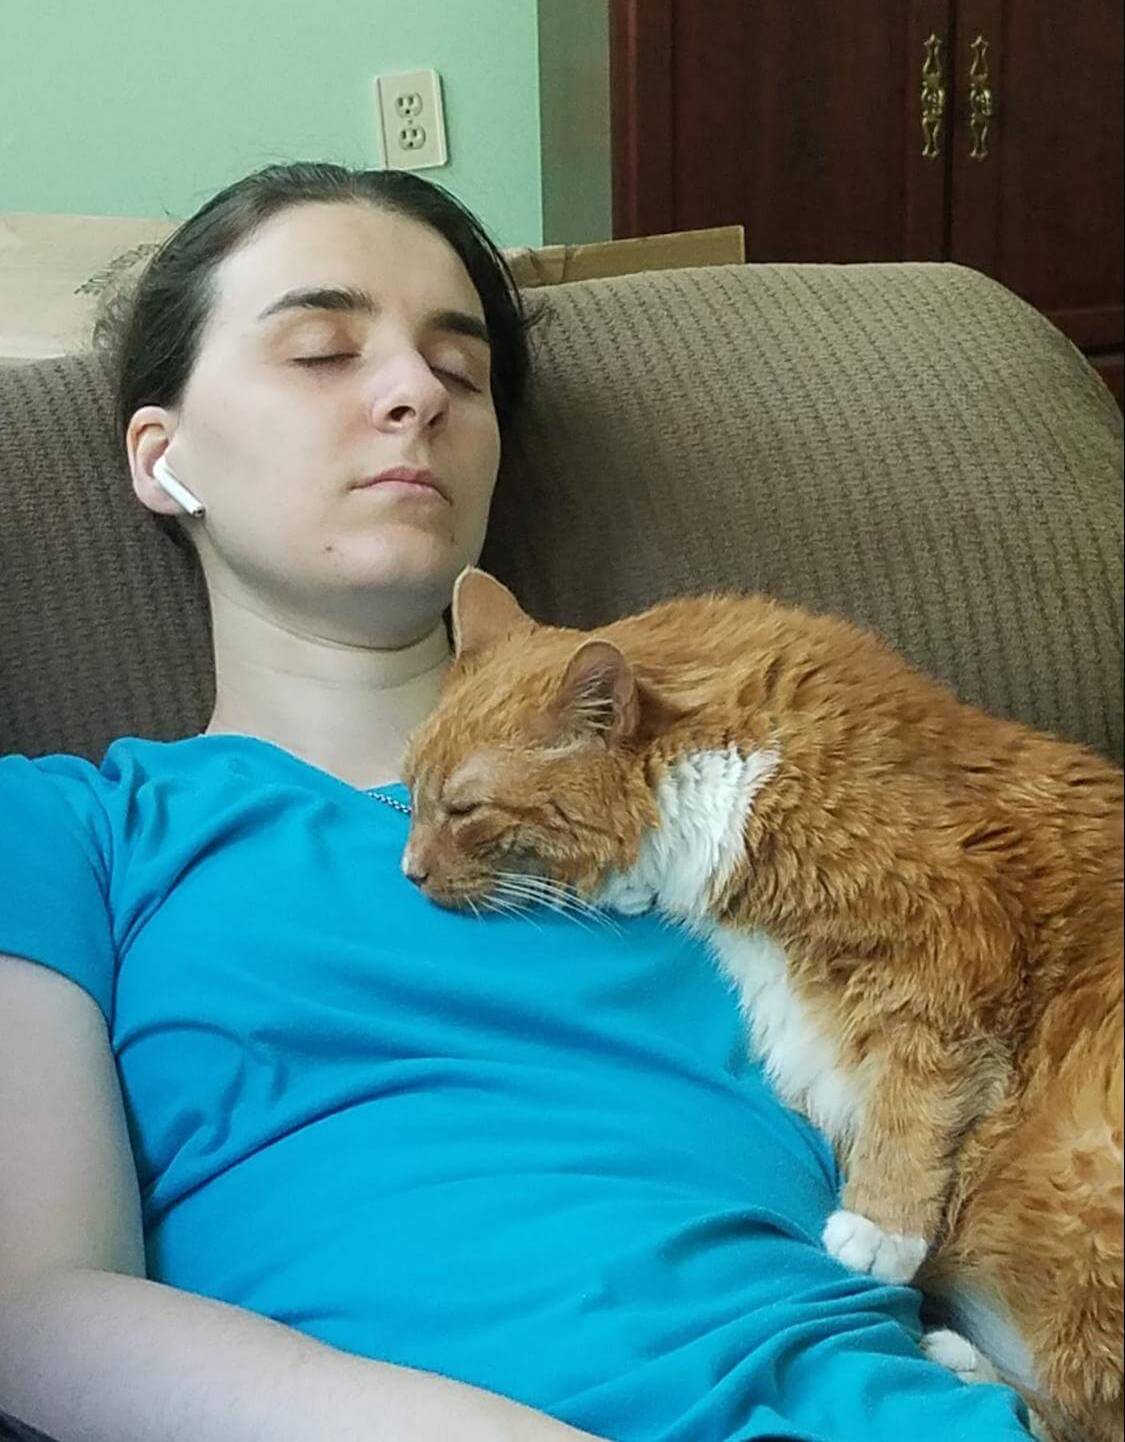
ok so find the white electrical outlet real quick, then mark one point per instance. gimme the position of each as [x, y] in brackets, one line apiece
[411, 122]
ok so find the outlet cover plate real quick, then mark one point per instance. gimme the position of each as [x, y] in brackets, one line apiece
[411, 120]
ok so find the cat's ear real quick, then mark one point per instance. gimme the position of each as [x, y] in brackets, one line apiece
[484, 613]
[599, 694]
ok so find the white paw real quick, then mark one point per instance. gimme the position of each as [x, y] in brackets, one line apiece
[619, 893]
[958, 1355]
[864, 1247]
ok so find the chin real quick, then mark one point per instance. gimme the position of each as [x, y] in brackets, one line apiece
[412, 558]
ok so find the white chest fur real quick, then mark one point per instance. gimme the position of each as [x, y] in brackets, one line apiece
[684, 862]
[683, 865]
[800, 1057]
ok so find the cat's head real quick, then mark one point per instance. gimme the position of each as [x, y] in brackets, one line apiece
[533, 763]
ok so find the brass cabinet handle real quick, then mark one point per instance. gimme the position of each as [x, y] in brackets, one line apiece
[981, 105]
[933, 98]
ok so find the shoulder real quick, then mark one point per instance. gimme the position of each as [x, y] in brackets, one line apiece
[60, 841]
[48, 793]
[80, 795]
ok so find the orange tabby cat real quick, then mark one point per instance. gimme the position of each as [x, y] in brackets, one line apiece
[920, 904]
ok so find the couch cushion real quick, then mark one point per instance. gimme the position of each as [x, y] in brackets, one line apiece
[908, 445]
[911, 446]
[103, 623]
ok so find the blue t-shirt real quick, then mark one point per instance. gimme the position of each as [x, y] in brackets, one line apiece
[525, 1152]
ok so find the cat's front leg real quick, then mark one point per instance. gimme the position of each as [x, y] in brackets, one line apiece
[899, 1167]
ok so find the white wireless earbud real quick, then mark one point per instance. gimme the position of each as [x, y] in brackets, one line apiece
[179, 493]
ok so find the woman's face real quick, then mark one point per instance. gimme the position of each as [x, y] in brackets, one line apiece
[343, 342]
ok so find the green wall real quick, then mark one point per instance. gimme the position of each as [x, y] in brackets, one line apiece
[145, 107]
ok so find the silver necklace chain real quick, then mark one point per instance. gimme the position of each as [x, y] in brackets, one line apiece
[400, 806]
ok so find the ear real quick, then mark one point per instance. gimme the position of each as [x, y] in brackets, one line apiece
[484, 613]
[599, 694]
[149, 433]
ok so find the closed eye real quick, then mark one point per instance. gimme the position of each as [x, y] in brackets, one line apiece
[462, 808]
[456, 377]
[311, 361]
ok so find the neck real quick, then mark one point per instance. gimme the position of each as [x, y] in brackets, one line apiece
[345, 708]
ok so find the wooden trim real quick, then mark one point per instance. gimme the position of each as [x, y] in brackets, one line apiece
[642, 108]
[1092, 327]
[1111, 368]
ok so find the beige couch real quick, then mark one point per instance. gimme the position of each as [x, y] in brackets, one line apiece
[908, 445]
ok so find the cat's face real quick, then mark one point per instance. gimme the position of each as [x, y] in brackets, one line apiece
[532, 766]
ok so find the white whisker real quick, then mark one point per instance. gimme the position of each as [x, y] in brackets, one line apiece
[553, 894]
[542, 888]
[502, 905]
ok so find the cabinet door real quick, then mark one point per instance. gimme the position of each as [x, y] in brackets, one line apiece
[802, 122]
[1039, 207]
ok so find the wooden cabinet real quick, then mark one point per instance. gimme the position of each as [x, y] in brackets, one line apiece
[982, 131]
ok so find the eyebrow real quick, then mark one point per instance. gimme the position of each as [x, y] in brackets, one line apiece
[352, 300]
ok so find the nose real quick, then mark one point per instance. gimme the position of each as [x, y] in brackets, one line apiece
[414, 868]
[409, 397]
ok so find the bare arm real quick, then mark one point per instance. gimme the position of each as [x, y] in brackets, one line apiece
[108, 1358]
[89, 1349]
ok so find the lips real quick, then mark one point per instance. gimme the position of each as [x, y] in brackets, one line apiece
[405, 475]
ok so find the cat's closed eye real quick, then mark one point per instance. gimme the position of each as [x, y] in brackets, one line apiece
[461, 808]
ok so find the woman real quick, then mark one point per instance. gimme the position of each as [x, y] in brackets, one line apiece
[455, 1162]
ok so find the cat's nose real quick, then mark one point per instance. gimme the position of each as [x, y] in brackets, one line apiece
[414, 868]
